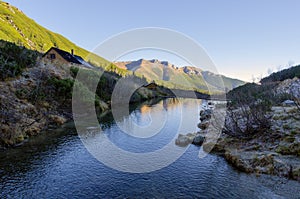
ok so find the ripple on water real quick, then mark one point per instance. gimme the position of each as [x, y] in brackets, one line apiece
[57, 165]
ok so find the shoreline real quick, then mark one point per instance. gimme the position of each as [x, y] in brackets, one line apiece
[257, 162]
[273, 152]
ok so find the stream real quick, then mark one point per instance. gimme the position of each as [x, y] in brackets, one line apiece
[56, 164]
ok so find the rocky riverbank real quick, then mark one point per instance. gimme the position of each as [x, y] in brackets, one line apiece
[25, 110]
[197, 138]
[275, 152]
[41, 99]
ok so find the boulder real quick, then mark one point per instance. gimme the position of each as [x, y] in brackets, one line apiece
[205, 114]
[296, 173]
[290, 86]
[184, 140]
[281, 167]
[198, 140]
[204, 124]
[238, 162]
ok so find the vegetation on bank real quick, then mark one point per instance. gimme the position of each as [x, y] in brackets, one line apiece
[36, 93]
[249, 105]
[262, 131]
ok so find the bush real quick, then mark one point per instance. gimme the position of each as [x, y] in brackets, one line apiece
[14, 59]
[33, 95]
[84, 95]
[74, 71]
[248, 109]
[63, 86]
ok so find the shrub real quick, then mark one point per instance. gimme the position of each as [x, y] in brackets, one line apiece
[248, 110]
[14, 59]
[84, 95]
[63, 86]
[74, 71]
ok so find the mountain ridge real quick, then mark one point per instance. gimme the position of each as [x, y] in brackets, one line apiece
[16, 27]
[189, 76]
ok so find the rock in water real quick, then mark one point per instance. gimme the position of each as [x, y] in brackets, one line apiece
[198, 140]
[204, 125]
[184, 140]
[205, 114]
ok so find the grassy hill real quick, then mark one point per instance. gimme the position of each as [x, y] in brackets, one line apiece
[16, 27]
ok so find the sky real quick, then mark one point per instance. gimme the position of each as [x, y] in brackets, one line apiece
[245, 39]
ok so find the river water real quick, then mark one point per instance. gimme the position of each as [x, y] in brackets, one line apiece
[57, 164]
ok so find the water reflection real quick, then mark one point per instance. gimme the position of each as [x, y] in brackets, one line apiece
[144, 141]
[57, 165]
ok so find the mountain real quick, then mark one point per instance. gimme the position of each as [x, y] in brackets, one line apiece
[171, 75]
[16, 27]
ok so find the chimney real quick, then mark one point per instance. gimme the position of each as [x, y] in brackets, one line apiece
[72, 52]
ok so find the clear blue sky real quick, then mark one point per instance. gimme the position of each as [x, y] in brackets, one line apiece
[243, 38]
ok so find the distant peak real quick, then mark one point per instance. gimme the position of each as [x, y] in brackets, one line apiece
[154, 61]
[191, 70]
[165, 63]
[141, 61]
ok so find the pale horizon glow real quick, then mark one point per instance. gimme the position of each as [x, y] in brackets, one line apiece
[243, 38]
